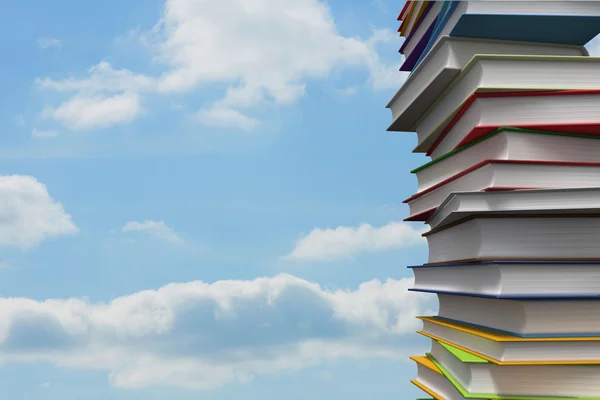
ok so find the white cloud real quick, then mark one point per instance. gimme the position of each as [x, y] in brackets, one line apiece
[262, 51]
[200, 336]
[384, 75]
[279, 46]
[225, 117]
[28, 215]
[345, 241]
[82, 112]
[39, 133]
[158, 229]
[47, 42]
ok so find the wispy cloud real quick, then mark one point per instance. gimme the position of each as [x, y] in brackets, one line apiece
[47, 42]
[346, 242]
[49, 385]
[224, 117]
[349, 91]
[157, 229]
[97, 111]
[39, 133]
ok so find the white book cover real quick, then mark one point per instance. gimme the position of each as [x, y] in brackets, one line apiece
[511, 279]
[510, 144]
[504, 175]
[504, 73]
[444, 63]
[458, 206]
[517, 237]
[524, 317]
[505, 350]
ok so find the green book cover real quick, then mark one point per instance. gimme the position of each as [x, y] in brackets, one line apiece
[492, 396]
[495, 132]
[462, 355]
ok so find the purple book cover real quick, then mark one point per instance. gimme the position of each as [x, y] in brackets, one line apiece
[417, 25]
[412, 59]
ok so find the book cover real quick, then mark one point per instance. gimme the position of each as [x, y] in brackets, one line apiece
[426, 11]
[565, 29]
[468, 395]
[483, 79]
[584, 128]
[467, 355]
[499, 336]
[411, 61]
[495, 130]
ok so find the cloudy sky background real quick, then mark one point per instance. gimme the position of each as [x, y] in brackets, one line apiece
[199, 199]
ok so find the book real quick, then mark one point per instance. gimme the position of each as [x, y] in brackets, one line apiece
[510, 195]
[502, 175]
[412, 5]
[507, 279]
[565, 111]
[444, 63]
[508, 143]
[505, 73]
[428, 17]
[404, 11]
[459, 206]
[443, 386]
[448, 8]
[414, 17]
[432, 381]
[477, 375]
[517, 238]
[503, 349]
[568, 22]
[554, 22]
[418, 42]
[524, 317]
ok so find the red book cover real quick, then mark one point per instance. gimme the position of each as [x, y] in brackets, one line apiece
[404, 18]
[479, 131]
[404, 9]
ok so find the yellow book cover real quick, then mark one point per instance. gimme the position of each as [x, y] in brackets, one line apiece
[408, 15]
[502, 337]
[427, 390]
[415, 16]
[499, 337]
[426, 362]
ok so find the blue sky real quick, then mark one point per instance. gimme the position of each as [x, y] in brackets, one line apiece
[199, 199]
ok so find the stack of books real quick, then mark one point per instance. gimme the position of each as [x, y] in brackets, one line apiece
[505, 100]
